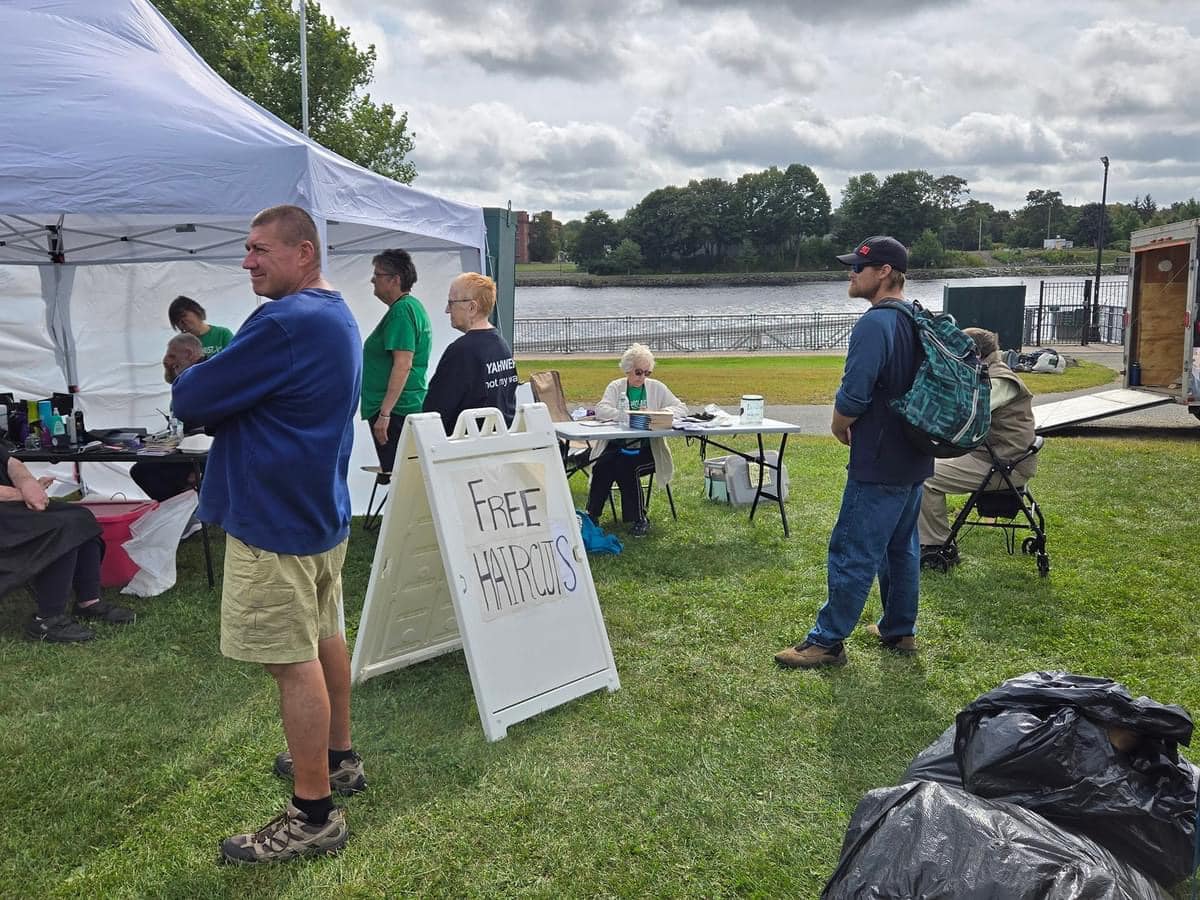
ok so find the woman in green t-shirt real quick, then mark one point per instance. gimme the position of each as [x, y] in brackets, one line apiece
[187, 316]
[395, 354]
[621, 462]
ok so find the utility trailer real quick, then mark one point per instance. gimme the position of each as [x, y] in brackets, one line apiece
[1162, 335]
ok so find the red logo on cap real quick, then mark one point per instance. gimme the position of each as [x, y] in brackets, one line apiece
[864, 250]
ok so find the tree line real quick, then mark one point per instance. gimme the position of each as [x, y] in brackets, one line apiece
[782, 220]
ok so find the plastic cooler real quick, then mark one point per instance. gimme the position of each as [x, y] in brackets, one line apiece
[115, 518]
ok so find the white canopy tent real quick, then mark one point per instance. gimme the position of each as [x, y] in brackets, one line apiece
[129, 172]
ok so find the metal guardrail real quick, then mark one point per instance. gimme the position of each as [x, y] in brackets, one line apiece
[1056, 318]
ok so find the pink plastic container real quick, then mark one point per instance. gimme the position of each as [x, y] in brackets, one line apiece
[115, 518]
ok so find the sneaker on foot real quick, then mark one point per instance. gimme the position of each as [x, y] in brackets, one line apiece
[640, 528]
[103, 611]
[810, 656]
[60, 629]
[288, 836]
[348, 779]
[905, 643]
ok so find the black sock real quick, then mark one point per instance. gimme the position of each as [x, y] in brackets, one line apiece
[337, 757]
[316, 811]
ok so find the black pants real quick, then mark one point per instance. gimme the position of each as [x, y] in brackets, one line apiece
[162, 481]
[387, 452]
[616, 465]
[79, 567]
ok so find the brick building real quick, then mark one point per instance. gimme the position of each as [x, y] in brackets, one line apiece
[522, 240]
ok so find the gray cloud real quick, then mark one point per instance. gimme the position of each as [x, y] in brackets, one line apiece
[578, 105]
[827, 11]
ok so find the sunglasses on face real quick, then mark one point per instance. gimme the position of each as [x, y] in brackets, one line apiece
[858, 267]
[642, 372]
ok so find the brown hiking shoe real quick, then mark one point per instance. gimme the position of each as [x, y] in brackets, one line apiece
[288, 836]
[348, 779]
[906, 643]
[811, 656]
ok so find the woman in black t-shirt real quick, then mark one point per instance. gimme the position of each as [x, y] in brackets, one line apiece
[53, 547]
[477, 370]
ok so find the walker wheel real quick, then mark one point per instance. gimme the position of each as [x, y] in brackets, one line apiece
[1029, 545]
[1043, 564]
[935, 562]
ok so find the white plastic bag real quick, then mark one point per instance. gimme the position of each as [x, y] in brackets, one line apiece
[1050, 362]
[153, 542]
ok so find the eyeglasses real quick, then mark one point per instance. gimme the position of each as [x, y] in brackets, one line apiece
[859, 266]
[375, 275]
[464, 300]
[642, 372]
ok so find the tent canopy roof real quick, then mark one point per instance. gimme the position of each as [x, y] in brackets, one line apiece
[129, 147]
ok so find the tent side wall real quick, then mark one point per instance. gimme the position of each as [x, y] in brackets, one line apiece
[120, 328]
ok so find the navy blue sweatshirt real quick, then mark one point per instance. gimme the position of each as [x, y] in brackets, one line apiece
[882, 359]
[280, 403]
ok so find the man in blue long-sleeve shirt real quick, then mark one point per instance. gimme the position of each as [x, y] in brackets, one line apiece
[280, 403]
[876, 530]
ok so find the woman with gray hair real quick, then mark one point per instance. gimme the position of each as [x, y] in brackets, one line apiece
[621, 461]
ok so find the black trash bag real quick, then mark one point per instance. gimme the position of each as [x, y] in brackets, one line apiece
[1086, 755]
[936, 762]
[936, 842]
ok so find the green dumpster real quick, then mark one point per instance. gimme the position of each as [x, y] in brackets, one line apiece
[998, 308]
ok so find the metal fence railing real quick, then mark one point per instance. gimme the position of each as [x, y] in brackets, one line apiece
[1061, 311]
[612, 334]
[1057, 317]
[1064, 324]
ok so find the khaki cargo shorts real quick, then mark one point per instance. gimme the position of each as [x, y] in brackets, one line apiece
[275, 607]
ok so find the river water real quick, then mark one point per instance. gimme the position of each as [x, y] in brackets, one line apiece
[824, 296]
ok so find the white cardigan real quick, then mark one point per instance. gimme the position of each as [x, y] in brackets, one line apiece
[658, 397]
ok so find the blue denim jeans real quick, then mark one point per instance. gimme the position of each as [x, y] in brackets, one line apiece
[875, 534]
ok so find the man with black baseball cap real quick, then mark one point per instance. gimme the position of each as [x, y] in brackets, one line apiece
[876, 530]
[878, 251]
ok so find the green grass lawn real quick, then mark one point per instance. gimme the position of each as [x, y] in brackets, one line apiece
[711, 773]
[783, 380]
[541, 268]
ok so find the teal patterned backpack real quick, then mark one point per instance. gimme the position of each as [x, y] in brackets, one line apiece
[947, 411]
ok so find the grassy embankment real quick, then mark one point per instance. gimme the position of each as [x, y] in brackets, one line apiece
[782, 380]
[709, 774]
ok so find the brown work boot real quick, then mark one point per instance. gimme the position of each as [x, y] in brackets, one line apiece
[905, 643]
[811, 656]
[288, 836]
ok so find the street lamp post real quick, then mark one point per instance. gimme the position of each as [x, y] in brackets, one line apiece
[1088, 325]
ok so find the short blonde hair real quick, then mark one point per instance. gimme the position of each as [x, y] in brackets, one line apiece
[479, 288]
[637, 353]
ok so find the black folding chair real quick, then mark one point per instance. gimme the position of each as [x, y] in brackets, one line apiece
[998, 507]
[375, 513]
[647, 487]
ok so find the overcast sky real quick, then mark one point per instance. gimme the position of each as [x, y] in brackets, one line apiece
[572, 105]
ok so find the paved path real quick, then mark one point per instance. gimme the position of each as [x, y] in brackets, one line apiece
[1169, 419]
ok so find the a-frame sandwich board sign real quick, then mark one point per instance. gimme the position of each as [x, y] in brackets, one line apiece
[479, 547]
